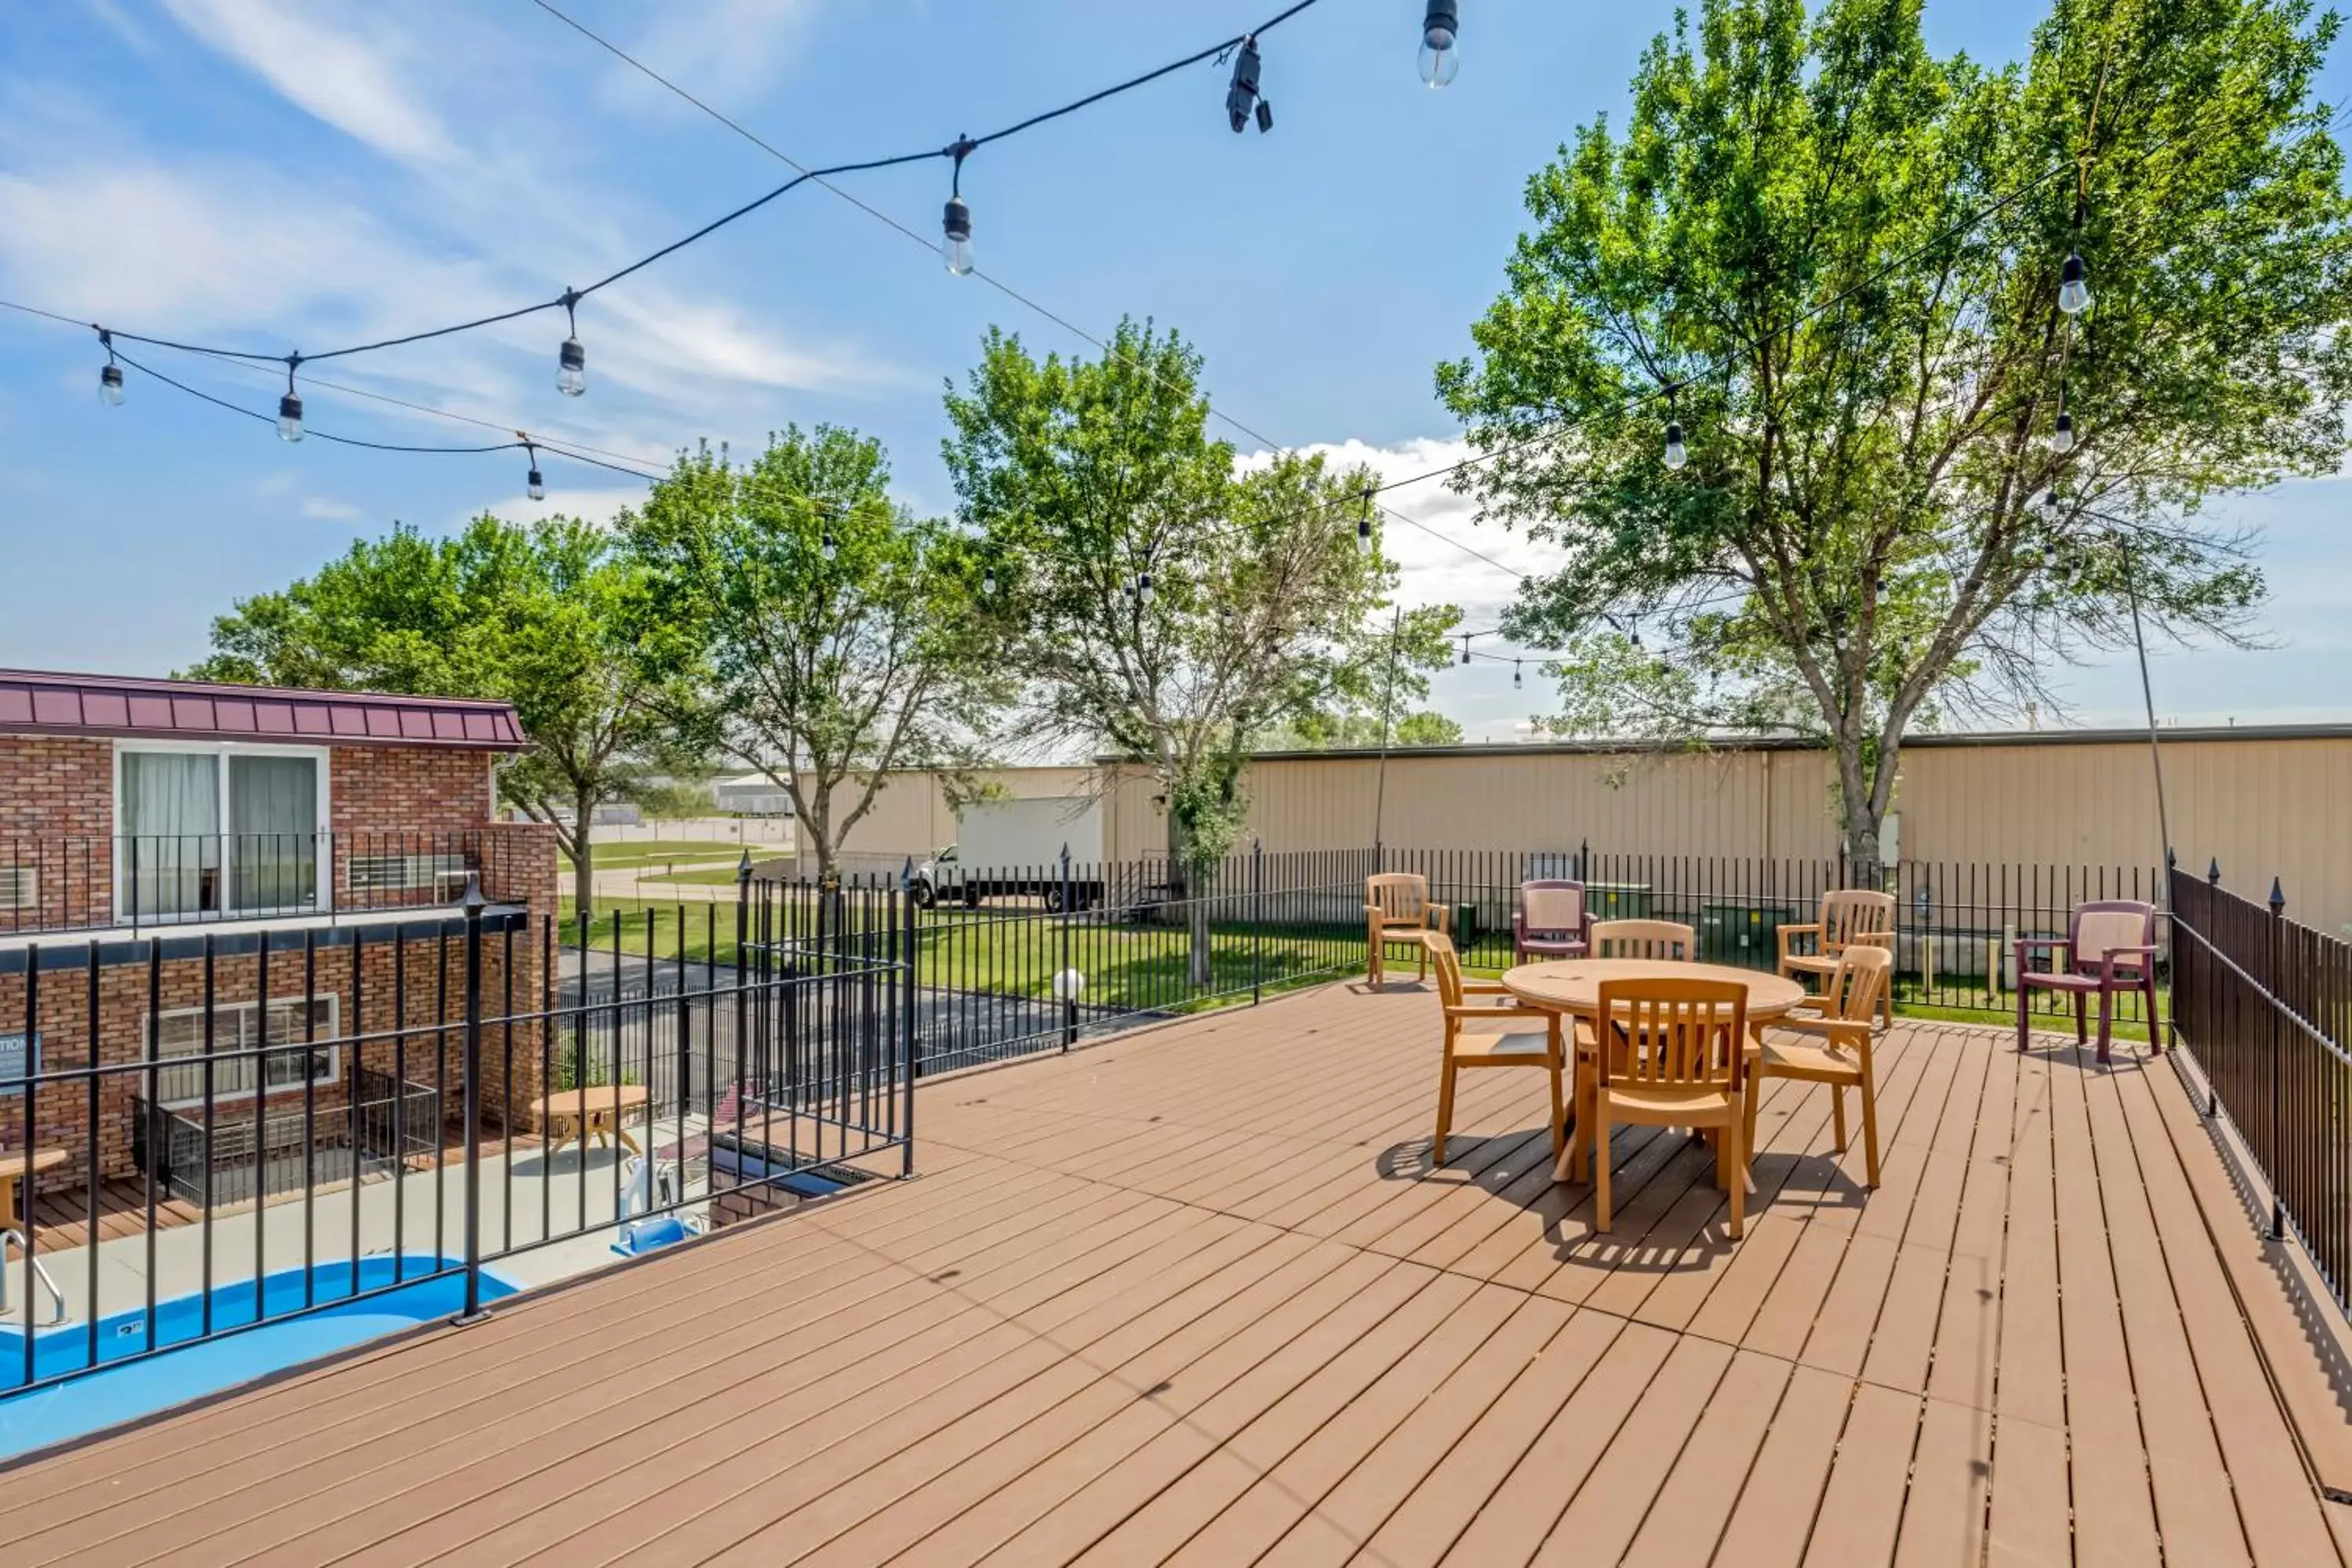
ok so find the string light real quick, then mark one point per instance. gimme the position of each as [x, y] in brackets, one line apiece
[1466, 647]
[110, 375]
[2061, 434]
[571, 359]
[988, 581]
[1244, 94]
[1516, 682]
[1441, 49]
[536, 487]
[290, 406]
[1676, 455]
[832, 549]
[957, 224]
[1143, 587]
[2073, 290]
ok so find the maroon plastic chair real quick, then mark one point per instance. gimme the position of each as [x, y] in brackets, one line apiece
[2110, 946]
[1551, 921]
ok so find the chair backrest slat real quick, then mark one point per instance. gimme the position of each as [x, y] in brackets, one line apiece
[1855, 985]
[1661, 939]
[1449, 969]
[1852, 915]
[1674, 1034]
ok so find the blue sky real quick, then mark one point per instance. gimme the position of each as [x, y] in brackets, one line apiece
[285, 175]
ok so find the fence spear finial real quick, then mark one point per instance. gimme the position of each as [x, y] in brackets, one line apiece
[2278, 896]
[2213, 871]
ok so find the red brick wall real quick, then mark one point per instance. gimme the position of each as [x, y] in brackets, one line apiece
[56, 816]
[380, 787]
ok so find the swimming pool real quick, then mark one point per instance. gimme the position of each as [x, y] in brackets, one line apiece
[40, 1416]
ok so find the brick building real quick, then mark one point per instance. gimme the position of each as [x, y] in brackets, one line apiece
[193, 875]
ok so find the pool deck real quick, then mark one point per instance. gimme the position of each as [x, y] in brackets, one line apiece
[1196, 1295]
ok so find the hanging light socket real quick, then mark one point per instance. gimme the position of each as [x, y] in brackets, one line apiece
[1241, 98]
[571, 359]
[956, 224]
[109, 384]
[290, 417]
[1676, 453]
[2061, 434]
[1441, 51]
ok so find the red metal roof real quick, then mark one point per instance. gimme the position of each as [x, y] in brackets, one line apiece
[41, 703]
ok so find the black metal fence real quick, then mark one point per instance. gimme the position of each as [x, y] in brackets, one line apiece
[2263, 1004]
[54, 883]
[342, 1114]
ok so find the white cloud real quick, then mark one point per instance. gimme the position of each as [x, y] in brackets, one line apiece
[719, 50]
[326, 509]
[600, 507]
[350, 82]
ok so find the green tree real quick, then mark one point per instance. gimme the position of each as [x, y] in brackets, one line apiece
[1095, 480]
[1843, 255]
[838, 627]
[547, 617]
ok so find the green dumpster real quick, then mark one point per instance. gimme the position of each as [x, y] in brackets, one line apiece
[1466, 926]
[1617, 900]
[1746, 934]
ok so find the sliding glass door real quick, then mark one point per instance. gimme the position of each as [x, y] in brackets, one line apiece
[214, 832]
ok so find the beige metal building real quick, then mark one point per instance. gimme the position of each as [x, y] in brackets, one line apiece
[2264, 802]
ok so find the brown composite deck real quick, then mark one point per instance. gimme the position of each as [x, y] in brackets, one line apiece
[1194, 1296]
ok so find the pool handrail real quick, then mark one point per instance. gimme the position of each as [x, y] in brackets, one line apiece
[40, 1270]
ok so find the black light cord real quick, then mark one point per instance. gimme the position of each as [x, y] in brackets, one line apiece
[958, 150]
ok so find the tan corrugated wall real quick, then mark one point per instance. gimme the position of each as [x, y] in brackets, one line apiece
[2262, 806]
[910, 815]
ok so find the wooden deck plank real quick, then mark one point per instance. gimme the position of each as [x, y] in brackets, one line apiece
[1079, 1339]
[2114, 1516]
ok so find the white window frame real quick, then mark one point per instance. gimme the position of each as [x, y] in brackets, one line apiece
[323, 896]
[329, 1046]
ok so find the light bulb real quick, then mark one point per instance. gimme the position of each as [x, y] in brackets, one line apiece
[571, 368]
[1363, 534]
[109, 384]
[1441, 49]
[2074, 292]
[538, 486]
[831, 549]
[289, 418]
[2062, 437]
[1514, 673]
[1676, 455]
[958, 248]
[1143, 588]
[1465, 650]
[988, 582]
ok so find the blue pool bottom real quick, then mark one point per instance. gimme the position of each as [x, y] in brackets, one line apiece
[111, 1394]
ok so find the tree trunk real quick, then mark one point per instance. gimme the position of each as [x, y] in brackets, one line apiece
[1193, 889]
[583, 859]
[1861, 814]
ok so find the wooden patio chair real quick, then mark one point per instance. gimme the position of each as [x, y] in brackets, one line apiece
[1666, 939]
[1397, 909]
[2110, 946]
[1492, 1033]
[1667, 1053]
[1849, 915]
[1842, 1057]
[1550, 922]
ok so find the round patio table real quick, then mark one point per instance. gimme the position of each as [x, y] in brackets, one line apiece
[1571, 987]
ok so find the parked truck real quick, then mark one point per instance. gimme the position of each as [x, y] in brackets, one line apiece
[1012, 848]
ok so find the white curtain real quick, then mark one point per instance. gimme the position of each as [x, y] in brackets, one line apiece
[170, 830]
[273, 804]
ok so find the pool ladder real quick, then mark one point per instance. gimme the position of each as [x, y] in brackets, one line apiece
[40, 1272]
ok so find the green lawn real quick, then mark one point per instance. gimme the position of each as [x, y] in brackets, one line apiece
[614, 856]
[701, 876]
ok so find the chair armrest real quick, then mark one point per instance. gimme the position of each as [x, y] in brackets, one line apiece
[2141, 955]
[2024, 943]
[1487, 988]
[1514, 1013]
[1440, 916]
[1814, 930]
[1838, 1031]
[2028, 945]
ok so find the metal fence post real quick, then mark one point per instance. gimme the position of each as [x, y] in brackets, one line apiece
[2212, 1089]
[1257, 921]
[473, 906]
[910, 1040]
[2278, 1050]
[1070, 998]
